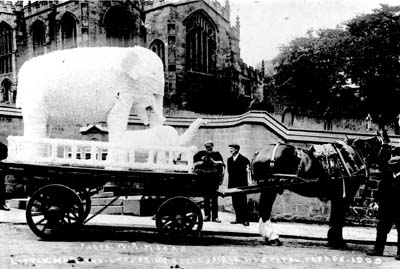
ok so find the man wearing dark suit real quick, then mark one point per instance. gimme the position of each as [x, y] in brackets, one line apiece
[388, 199]
[210, 165]
[237, 170]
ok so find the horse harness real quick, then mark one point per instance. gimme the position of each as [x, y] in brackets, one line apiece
[338, 160]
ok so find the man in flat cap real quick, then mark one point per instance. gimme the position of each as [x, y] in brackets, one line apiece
[237, 170]
[210, 164]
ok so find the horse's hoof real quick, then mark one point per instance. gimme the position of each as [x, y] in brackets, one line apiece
[275, 242]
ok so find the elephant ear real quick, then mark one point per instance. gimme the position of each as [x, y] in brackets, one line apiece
[130, 64]
[146, 69]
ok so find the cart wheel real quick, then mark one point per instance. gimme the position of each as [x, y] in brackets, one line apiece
[179, 216]
[84, 194]
[53, 211]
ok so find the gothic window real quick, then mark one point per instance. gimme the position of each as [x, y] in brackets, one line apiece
[68, 31]
[171, 40]
[120, 26]
[171, 28]
[5, 48]
[158, 47]
[38, 38]
[200, 43]
[5, 90]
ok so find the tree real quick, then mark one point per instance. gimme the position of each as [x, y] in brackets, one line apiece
[309, 70]
[375, 54]
[342, 67]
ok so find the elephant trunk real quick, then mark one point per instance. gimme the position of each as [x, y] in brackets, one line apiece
[186, 138]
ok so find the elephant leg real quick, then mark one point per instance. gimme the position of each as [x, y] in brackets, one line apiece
[147, 107]
[117, 121]
[34, 128]
[159, 109]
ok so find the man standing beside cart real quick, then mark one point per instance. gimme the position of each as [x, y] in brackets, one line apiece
[388, 200]
[237, 170]
[210, 164]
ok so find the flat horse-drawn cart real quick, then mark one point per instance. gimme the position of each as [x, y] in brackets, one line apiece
[70, 172]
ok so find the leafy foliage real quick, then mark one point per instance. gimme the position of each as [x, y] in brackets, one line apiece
[354, 67]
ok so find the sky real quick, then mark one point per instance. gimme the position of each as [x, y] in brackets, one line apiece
[268, 24]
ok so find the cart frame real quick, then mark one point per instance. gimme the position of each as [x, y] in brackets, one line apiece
[62, 203]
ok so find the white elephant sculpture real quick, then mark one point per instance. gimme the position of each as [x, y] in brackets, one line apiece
[87, 85]
[162, 135]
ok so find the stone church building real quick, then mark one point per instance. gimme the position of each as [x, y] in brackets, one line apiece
[194, 38]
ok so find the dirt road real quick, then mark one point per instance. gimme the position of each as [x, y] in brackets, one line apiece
[107, 247]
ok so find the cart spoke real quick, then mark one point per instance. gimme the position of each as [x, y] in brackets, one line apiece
[38, 206]
[179, 216]
[40, 221]
[74, 213]
[37, 213]
[45, 226]
[62, 221]
[67, 220]
[167, 225]
[52, 209]
[70, 217]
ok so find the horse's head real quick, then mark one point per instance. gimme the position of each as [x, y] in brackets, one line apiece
[375, 150]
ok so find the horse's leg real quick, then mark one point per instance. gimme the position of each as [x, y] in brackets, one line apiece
[339, 208]
[336, 223]
[266, 202]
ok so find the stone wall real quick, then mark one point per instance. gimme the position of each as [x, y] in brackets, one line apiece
[252, 131]
[9, 17]
[90, 30]
[160, 16]
[233, 78]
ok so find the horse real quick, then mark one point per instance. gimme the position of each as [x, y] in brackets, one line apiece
[333, 171]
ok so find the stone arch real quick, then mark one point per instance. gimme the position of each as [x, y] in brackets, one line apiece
[6, 90]
[38, 33]
[68, 28]
[201, 42]
[159, 48]
[6, 48]
[119, 23]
